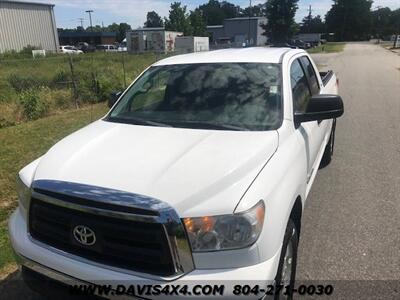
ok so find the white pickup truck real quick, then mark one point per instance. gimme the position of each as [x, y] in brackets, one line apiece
[199, 173]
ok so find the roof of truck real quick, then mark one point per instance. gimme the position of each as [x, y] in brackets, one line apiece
[255, 54]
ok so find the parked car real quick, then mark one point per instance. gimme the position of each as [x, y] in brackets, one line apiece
[122, 47]
[284, 45]
[85, 47]
[294, 44]
[198, 173]
[107, 48]
[300, 44]
[70, 50]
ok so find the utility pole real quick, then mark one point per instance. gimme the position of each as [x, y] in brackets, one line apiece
[397, 36]
[309, 18]
[248, 34]
[90, 18]
[81, 21]
[378, 26]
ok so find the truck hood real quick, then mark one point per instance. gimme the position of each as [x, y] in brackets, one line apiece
[197, 172]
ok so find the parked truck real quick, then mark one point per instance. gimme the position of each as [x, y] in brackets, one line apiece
[199, 173]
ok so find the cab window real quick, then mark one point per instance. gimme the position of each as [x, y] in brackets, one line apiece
[300, 89]
[312, 77]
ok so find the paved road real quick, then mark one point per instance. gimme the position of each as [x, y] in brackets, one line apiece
[351, 225]
[351, 228]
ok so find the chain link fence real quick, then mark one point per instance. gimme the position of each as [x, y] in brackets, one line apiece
[32, 88]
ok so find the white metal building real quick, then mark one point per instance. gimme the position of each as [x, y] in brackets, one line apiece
[151, 40]
[188, 44]
[27, 23]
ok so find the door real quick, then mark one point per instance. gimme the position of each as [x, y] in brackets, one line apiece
[309, 132]
[323, 126]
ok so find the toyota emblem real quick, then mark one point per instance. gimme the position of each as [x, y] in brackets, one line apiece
[84, 235]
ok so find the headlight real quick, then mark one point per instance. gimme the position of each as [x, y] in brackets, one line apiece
[24, 193]
[225, 232]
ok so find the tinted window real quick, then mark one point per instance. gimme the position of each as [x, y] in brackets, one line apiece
[226, 95]
[300, 90]
[308, 67]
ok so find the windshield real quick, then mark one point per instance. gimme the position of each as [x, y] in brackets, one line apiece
[230, 96]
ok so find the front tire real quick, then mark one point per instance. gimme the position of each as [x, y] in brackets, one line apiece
[286, 274]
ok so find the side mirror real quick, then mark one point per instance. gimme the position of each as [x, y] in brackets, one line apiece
[114, 96]
[321, 107]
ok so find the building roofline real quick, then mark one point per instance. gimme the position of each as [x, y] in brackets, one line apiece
[149, 29]
[245, 18]
[27, 3]
[215, 26]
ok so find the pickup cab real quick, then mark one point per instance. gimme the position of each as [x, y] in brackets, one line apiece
[198, 173]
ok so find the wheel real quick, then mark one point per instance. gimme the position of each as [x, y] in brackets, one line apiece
[328, 153]
[286, 274]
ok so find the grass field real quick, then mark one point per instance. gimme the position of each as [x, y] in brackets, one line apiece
[50, 80]
[23, 143]
[328, 48]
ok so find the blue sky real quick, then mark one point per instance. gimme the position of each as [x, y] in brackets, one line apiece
[134, 11]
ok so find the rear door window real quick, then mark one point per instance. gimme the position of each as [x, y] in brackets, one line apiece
[300, 89]
[312, 77]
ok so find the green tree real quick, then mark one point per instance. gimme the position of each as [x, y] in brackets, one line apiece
[395, 21]
[312, 24]
[120, 29]
[123, 29]
[385, 22]
[198, 23]
[153, 20]
[349, 19]
[96, 28]
[215, 12]
[254, 11]
[280, 19]
[230, 10]
[178, 19]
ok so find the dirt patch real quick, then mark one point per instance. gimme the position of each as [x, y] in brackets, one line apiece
[7, 204]
[7, 270]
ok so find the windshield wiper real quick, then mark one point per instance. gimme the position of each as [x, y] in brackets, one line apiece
[137, 121]
[210, 125]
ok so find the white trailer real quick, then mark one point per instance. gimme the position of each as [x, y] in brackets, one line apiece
[188, 44]
[151, 40]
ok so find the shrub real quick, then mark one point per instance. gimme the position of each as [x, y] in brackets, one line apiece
[25, 82]
[107, 85]
[61, 77]
[33, 106]
[28, 50]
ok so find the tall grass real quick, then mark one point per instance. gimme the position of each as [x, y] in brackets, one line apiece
[96, 75]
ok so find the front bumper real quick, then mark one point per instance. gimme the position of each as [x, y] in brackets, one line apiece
[64, 269]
